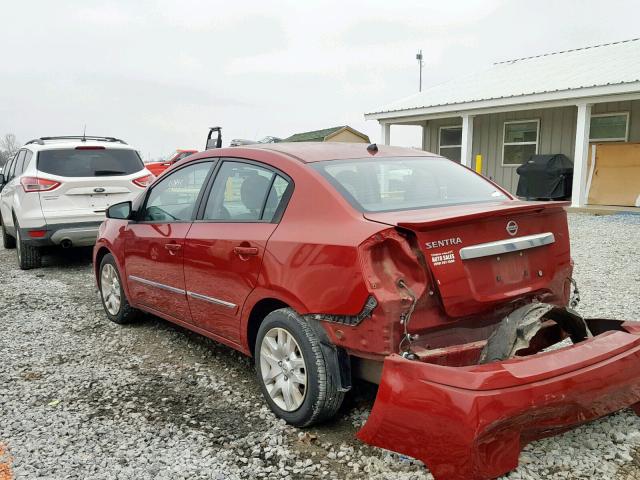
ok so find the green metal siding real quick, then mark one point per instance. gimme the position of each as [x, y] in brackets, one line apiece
[557, 134]
[633, 107]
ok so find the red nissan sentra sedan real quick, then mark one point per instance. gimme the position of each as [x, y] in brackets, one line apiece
[327, 261]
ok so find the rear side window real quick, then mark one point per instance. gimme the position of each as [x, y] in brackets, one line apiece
[89, 162]
[27, 159]
[245, 192]
[16, 163]
[22, 162]
[406, 183]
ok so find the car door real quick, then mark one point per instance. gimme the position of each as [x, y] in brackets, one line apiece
[154, 242]
[5, 207]
[12, 182]
[224, 247]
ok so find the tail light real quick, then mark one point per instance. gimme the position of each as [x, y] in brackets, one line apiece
[34, 184]
[390, 256]
[144, 181]
[37, 233]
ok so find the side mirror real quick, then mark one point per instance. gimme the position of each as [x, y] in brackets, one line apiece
[2, 180]
[121, 211]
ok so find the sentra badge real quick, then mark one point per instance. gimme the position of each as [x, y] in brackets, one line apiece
[445, 242]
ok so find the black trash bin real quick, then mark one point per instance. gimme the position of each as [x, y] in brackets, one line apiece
[545, 177]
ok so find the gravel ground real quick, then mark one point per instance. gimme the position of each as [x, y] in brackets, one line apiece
[83, 398]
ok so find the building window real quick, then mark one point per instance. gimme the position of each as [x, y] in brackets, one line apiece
[609, 127]
[520, 141]
[450, 142]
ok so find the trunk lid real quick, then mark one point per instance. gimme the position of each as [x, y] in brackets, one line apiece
[86, 198]
[482, 255]
[92, 177]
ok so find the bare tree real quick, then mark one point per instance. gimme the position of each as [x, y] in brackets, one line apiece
[9, 145]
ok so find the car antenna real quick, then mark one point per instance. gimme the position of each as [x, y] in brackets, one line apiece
[84, 133]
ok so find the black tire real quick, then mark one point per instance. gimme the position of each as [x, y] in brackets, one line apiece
[28, 256]
[125, 313]
[322, 398]
[8, 241]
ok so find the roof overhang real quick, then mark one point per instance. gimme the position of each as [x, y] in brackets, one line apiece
[596, 94]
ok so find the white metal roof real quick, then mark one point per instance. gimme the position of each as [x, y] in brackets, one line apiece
[567, 71]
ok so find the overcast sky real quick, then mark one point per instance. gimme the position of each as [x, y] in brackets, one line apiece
[158, 73]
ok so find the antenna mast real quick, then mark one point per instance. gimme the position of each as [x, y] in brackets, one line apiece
[420, 63]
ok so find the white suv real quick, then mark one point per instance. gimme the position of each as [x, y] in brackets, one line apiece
[55, 191]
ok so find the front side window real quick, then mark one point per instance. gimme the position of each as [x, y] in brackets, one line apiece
[450, 142]
[406, 183]
[609, 127]
[174, 198]
[89, 162]
[520, 141]
[244, 192]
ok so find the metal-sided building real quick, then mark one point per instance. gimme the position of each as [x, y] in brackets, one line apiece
[560, 102]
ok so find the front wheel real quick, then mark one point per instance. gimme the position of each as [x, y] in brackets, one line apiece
[114, 301]
[293, 372]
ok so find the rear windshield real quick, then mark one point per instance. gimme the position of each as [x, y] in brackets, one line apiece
[89, 163]
[406, 183]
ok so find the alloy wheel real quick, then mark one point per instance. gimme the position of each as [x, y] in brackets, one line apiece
[110, 289]
[283, 369]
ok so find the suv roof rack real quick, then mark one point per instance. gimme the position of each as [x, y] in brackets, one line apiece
[83, 138]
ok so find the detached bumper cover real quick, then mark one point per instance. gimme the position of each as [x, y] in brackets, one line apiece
[472, 422]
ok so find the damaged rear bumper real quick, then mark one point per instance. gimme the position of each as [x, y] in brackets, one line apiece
[471, 422]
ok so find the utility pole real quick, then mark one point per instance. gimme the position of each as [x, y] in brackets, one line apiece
[420, 63]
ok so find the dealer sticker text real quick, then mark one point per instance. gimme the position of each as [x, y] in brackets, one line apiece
[443, 258]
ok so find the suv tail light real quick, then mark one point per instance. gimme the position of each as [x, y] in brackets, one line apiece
[144, 181]
[34, 184]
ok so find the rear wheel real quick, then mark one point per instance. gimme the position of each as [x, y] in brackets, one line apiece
[28, 256]
[114, 301]
[8, 241]
[293, 372]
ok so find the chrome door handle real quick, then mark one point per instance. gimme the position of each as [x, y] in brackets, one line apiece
[245, 251]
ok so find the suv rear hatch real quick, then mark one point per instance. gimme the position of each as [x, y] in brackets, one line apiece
[486, 254]
[91, 179]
